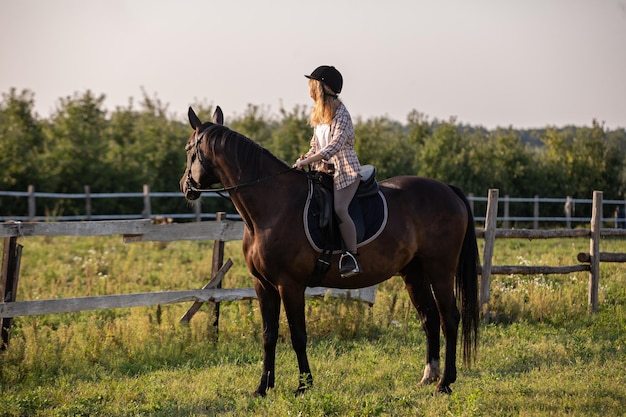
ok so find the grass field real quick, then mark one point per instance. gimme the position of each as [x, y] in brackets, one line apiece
[544, 356]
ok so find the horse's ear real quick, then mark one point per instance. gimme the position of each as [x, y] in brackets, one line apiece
[218, 116]
[194, 121]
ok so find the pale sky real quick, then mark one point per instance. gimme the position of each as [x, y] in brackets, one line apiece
[520, 63]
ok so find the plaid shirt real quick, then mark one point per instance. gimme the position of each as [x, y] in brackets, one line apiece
[340, 149]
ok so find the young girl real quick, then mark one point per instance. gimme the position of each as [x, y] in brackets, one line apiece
[332, 150]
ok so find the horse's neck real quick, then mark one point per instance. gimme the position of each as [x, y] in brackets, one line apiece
[272, 201]
[241, 161]
[261, 187]
[244, 174]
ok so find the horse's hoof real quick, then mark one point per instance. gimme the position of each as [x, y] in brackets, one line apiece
[306, 382]
[427, 381]
[259, 393]
[302, 389]
[445, 389]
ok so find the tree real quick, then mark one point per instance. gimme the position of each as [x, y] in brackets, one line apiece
[583, 160]
[382, 142]
[21, 140]
[125, 154]
[292, 135]
[74, 144]
[255, 124]
[419, 130]
[511, 169]
[447, 156]
[147, 147]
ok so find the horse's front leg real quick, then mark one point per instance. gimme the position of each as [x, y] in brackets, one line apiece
[293, 299]
[269, 303]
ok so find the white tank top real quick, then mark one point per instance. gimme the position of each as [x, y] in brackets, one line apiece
[322, 133]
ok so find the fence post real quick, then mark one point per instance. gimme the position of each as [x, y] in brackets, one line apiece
[147, 209]
[218, 261]
[568, 211]
[490, 237]
[197, 209]
[536, 213]
[88, 202]
[470, 197]
[594, 250]
[11, 256]
[32, 207]
[506, 211]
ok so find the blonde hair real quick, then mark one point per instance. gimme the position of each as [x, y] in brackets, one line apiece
[326, 103]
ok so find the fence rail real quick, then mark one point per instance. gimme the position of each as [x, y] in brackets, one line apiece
[147, 195]
[569, 213]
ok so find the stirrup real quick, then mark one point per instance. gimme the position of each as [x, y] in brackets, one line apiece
[348, 265]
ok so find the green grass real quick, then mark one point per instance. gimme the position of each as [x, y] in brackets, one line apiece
[545, 355]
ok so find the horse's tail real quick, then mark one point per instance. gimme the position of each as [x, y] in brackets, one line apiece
[467, 285]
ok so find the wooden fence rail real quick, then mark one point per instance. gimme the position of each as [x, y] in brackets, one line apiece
[106, 302]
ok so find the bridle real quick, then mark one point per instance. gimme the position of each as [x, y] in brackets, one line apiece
[197, 154]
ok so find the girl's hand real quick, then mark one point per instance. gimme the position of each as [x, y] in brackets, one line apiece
[300, 163]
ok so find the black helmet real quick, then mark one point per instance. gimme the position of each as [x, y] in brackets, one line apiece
[329, 76]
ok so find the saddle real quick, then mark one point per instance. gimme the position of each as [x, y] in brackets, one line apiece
[368, 210]
[324, 197]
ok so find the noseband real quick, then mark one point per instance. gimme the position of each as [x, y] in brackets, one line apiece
[197, 154]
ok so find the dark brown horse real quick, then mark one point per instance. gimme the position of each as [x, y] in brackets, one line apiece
[428, 240]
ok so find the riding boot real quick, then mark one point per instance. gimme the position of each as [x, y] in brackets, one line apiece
[349, 265]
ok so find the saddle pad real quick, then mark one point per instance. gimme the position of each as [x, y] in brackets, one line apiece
[374, 220]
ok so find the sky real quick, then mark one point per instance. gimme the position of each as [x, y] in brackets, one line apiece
[490, 63]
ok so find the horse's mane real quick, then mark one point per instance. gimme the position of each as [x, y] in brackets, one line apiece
[249, 155]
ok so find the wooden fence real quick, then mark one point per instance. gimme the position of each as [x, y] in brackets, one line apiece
[590, 261]
[132, 231]
[226, 230]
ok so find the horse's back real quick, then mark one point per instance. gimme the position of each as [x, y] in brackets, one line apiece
[422, 194]
[425, 208]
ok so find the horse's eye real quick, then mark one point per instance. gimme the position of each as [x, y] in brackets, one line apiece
[187, 147]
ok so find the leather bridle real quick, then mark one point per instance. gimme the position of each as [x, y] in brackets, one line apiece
[197, 154]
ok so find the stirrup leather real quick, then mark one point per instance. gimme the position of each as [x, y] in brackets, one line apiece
[348, 265]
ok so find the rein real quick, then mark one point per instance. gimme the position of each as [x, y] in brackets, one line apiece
[219, 191]
[236, 187]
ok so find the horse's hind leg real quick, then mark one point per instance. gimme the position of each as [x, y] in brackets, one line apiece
[269, 303]
[422, 298]
[443, 291]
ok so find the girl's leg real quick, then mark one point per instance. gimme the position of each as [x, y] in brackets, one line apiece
[343, 198]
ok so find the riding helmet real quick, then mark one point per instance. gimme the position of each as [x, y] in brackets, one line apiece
[329, 76]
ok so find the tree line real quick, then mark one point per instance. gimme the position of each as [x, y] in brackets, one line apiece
[80, 143]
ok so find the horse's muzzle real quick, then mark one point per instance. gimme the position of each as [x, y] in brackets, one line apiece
[188, 190]
[192, 195]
